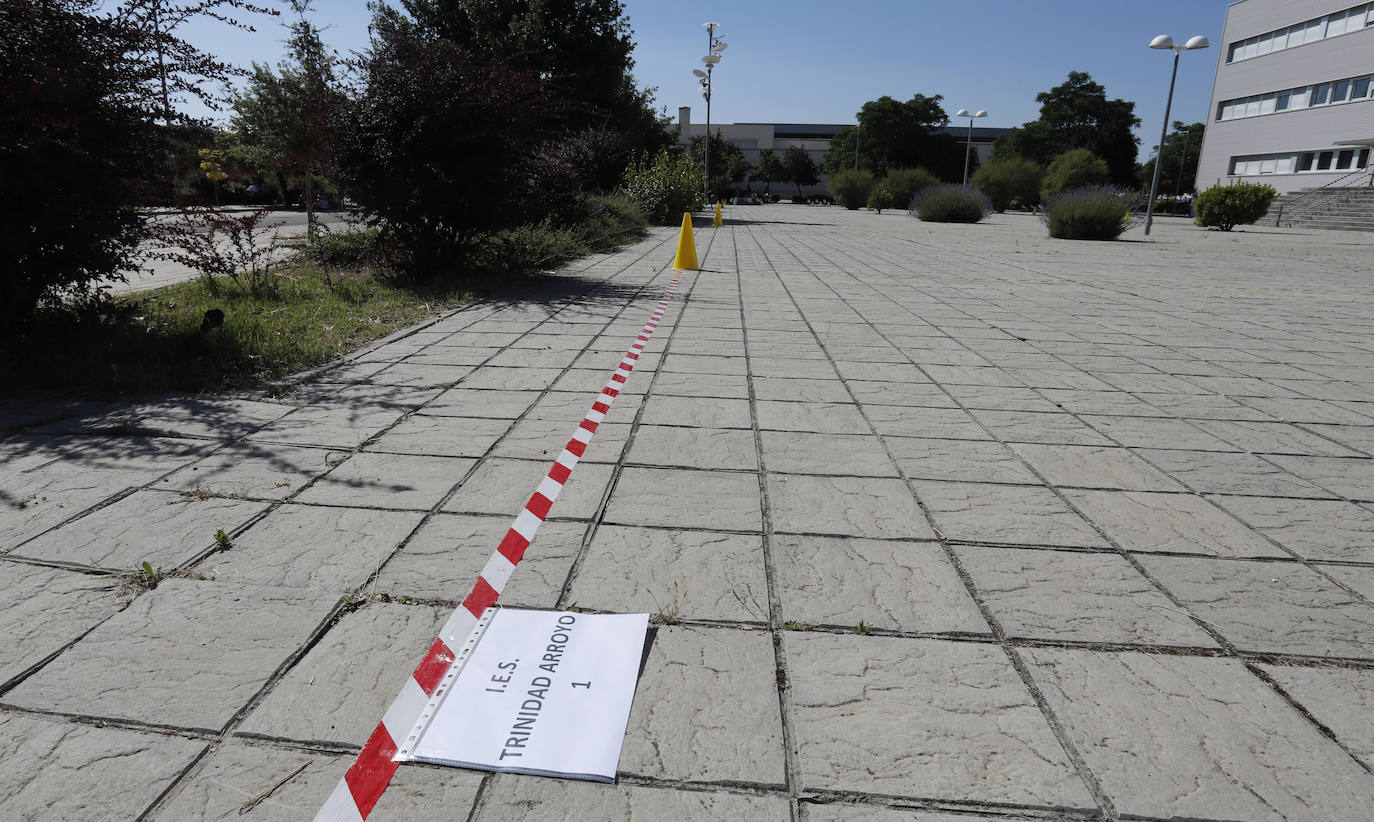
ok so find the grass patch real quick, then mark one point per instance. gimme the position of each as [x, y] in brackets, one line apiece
[160, 340]
[221, 332]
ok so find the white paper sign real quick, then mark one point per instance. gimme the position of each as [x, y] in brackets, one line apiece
[544, 692]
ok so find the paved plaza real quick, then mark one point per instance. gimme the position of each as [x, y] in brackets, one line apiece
[937, 522]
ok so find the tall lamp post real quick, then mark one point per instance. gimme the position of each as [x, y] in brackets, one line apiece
[1164, 41]
[963, 112]
[715, 46]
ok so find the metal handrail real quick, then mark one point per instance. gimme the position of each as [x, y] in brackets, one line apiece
[1306, 197]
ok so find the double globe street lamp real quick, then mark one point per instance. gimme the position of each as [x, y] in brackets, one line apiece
[715, 46]
[963, 112]
[1164, 41]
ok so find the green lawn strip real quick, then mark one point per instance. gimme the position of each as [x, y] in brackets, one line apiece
[153, 341]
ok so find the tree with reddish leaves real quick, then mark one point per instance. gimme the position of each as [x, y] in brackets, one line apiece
[88, 104]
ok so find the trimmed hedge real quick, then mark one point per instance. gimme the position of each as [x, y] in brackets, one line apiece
[1225, 207]
[951, 203]
[1089, 213]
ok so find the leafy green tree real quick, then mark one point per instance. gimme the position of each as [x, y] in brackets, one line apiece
[1077, 114]
[1073, 169]
[441, 145]
[290, 114]
[582, 47]
[727, 161]
[798, 168]
[894, 134]
[1009, 179]
[768, 171]
[1178, 174]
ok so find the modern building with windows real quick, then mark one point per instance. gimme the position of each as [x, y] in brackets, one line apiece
[1293, 99]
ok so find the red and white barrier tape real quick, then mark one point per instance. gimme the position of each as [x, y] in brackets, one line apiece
[363, 784]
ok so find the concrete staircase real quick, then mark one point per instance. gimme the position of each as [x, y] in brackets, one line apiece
[1341, 209]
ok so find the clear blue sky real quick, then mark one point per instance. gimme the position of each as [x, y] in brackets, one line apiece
[808, 61]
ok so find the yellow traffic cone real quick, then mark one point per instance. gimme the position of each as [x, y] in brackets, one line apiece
[686, 259]
[717, 220]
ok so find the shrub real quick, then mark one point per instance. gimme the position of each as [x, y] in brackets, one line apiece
[897, 189]
[1091, 213]
[220, 244]
[1013, 179]
[439, 147]
[1225, 207]
[663, 187]
[851, 187]
[605, 222]
[951, 204]
[1073, 169]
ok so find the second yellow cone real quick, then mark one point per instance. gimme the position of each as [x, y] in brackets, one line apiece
[686, 258]
[717, 220]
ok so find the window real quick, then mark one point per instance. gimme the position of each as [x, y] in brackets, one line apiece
[1324, 160]
[1361, 88]
[1266, 104]
[1341, 92]
[1345, 159]
[1322, 95]
[1363, 161]
[1305, 160]
[1332, 25]
[1285, 165]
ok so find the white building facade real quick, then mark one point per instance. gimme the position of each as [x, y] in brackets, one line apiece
[1293, 99]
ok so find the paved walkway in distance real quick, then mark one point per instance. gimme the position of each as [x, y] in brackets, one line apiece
[940, 523]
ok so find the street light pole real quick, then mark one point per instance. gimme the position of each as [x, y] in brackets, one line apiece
[968, 150]
[714, 48]
[1164, 41]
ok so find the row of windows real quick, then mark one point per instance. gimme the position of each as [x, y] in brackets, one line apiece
[1331, 25]
[1322, 94]
[1315, 162]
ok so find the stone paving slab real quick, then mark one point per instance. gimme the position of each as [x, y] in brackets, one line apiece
[896, 585]
[1197, 738]
[888, 502]
[53, 769]
[698, 575]
[923, 718]
[189, 654]
[163, 529]
[548, 800]
[1088, 597]
[237, 773]
[347, 680]
[315, 547]
[706, 709]
[44, 609]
